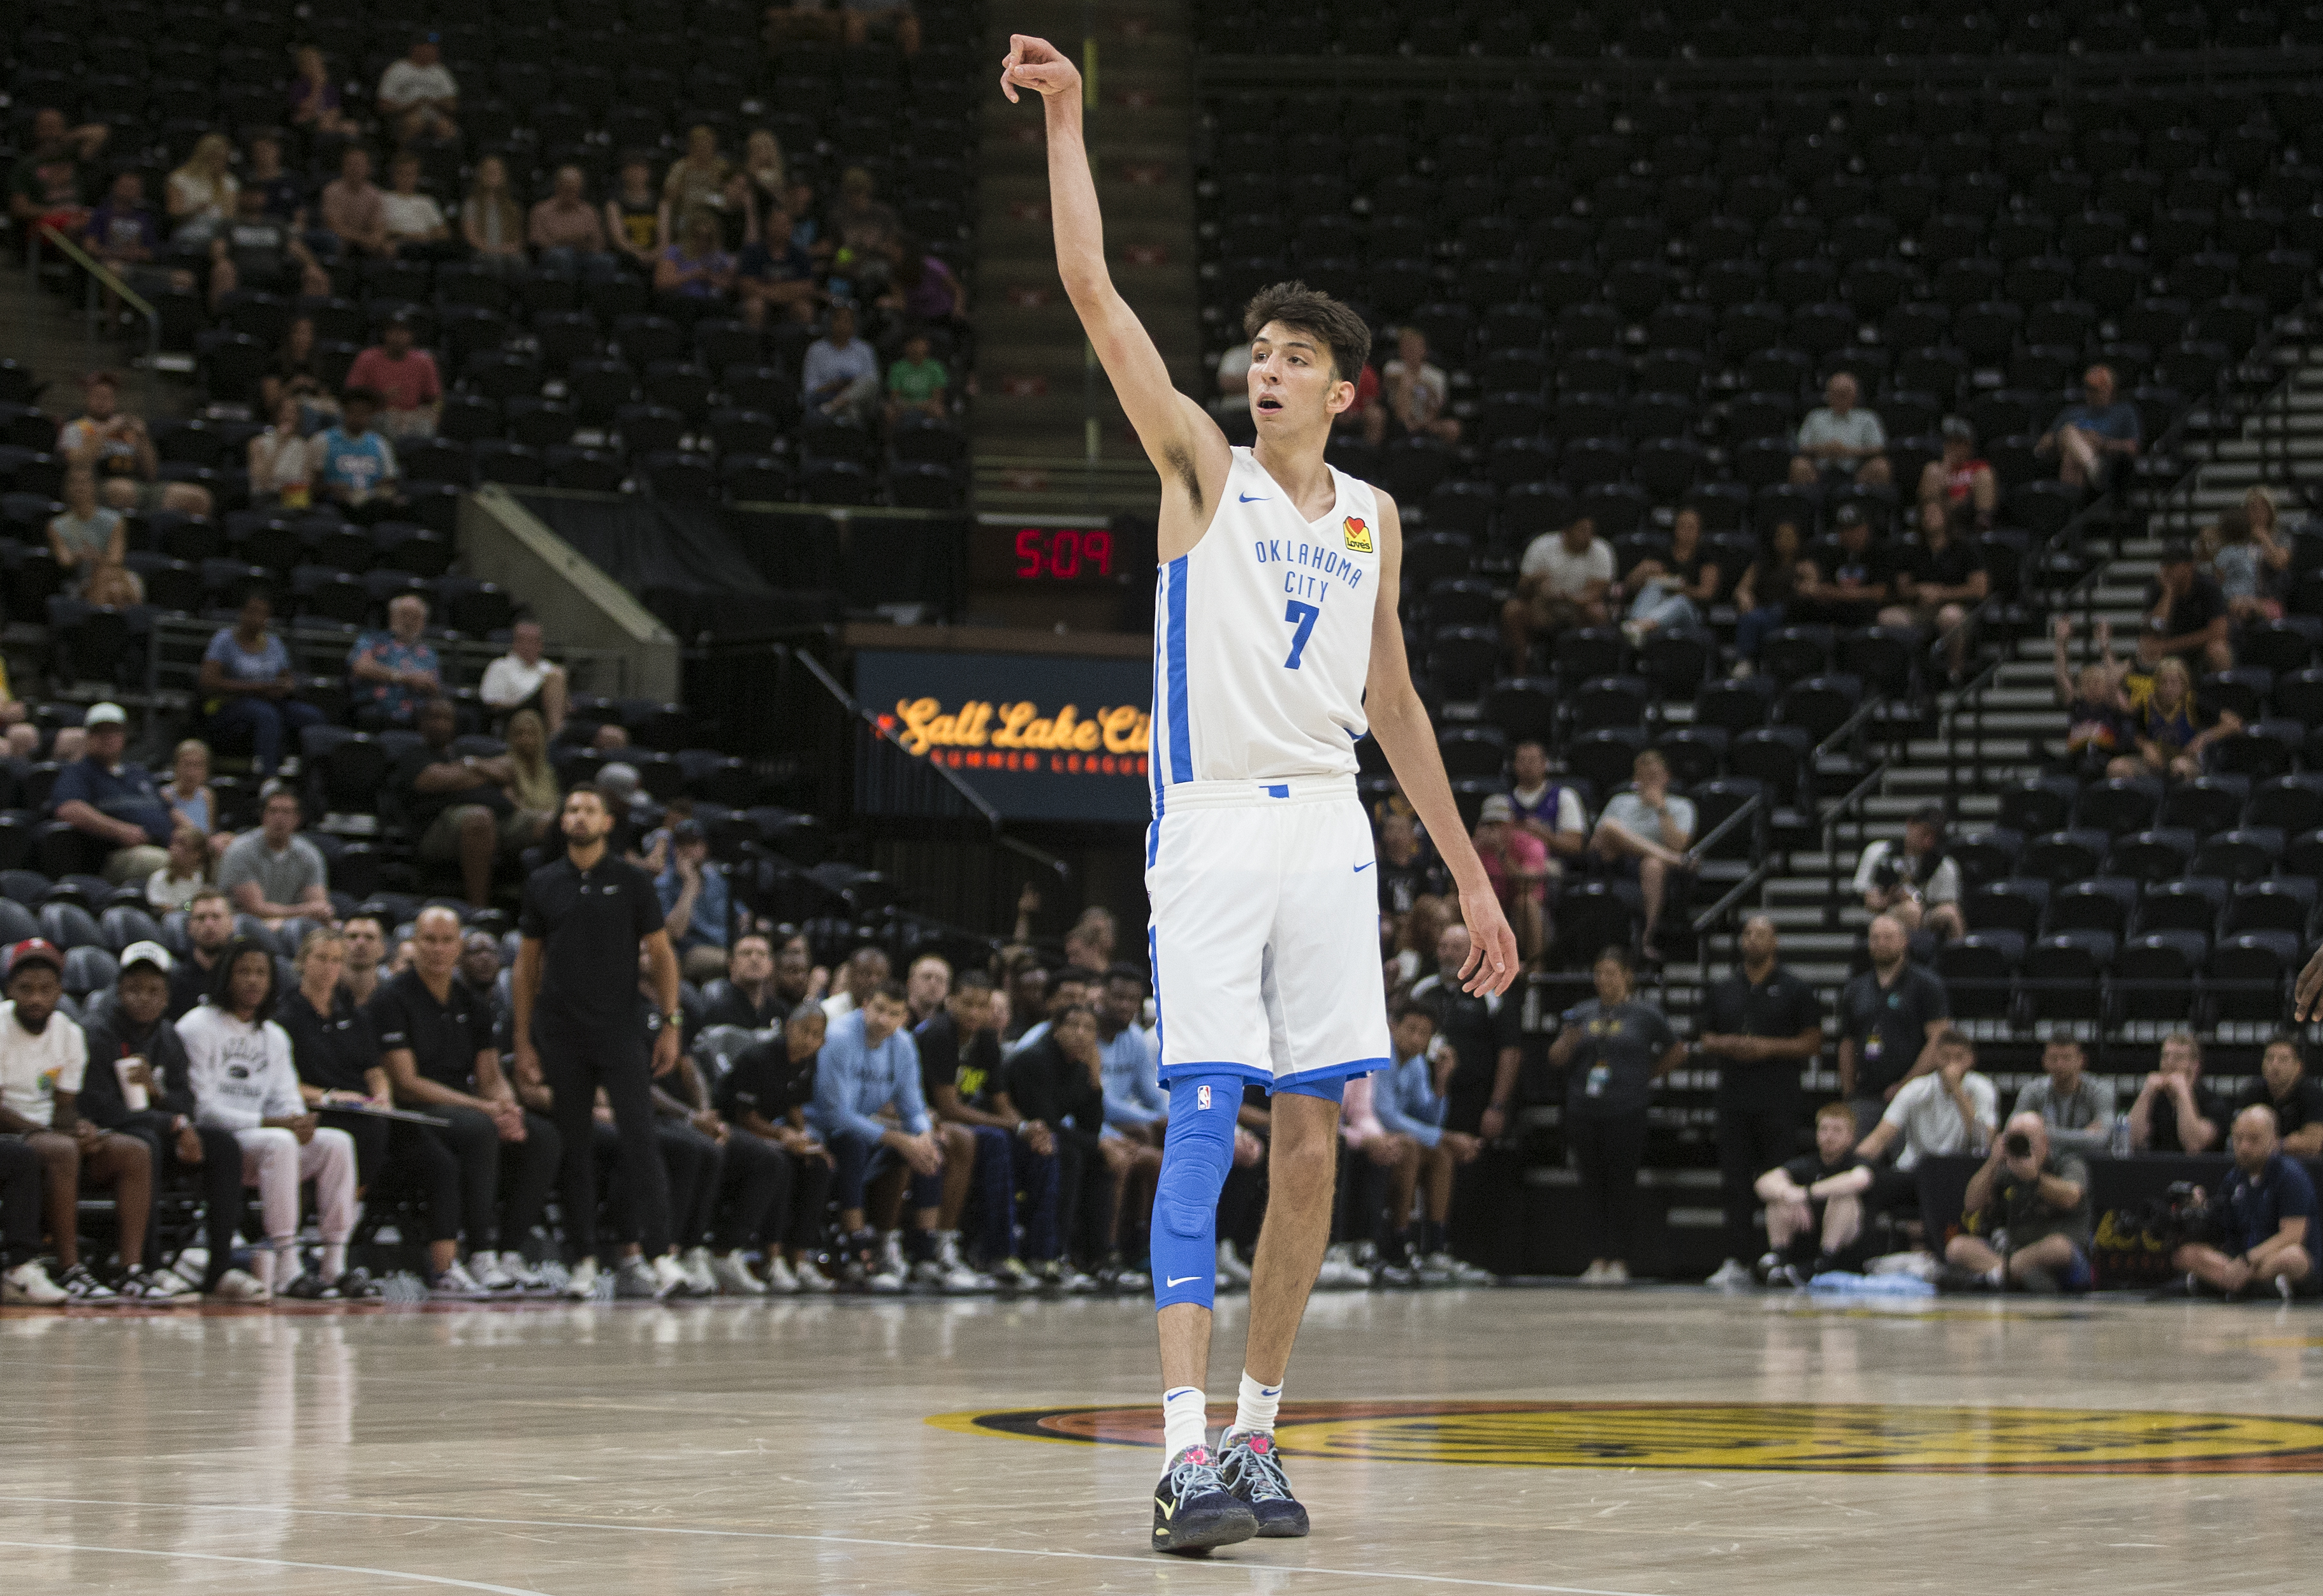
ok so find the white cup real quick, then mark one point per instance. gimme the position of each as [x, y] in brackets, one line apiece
[134, 1093]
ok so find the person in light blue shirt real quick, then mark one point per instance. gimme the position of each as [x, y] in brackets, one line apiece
[355, 465]
[694, 896]
[870, 1065]
[1409, 1100]
[1128, 1065]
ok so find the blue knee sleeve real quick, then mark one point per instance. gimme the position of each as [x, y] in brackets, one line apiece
[1194, 1157]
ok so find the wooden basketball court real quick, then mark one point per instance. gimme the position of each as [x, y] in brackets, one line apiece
[1661, 1443]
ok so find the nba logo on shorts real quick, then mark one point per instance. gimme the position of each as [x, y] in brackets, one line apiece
[1202, 1098]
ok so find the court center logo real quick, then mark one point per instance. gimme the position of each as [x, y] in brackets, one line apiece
[1851, 1438]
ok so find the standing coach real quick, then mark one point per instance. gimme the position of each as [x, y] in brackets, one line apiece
[584, 920]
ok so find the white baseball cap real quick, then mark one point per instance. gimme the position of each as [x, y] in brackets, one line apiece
[105, 714]
[152, 953]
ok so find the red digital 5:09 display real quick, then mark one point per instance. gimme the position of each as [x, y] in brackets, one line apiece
[1063, 554]
[1009, 554]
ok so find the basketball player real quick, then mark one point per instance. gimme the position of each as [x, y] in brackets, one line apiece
[1276, 640]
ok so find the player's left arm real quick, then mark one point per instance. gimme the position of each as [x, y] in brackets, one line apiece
[1400, 721]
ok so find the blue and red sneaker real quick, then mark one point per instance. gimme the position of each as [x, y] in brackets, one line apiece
[1193, 1510]
[1252, 1471]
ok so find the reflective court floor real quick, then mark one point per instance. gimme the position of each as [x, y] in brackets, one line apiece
[1661, 1443]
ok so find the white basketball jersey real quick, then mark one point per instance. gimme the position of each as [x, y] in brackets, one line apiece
[1263, 636]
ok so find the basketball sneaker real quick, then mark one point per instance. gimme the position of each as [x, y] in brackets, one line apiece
[1193, 1510]
[636, 1279]
[701, 1274]
[1231, 1269]
[780, 1281]
[357, 1286]
[490, 1273]
[581, 1285]
[1730, 1273]
[671, 1280]
[811, 1276]
[238, 1285]
[28, 1285]
[84, 1289]
[733, 1271]
[454, 1283]
[1252, 1471]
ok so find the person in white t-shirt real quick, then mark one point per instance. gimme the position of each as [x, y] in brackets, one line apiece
[239, 1065]
[1561, 583]
[1416, 392]
[1914, 880]
[43, 1058]
[1949, 1110]
[418, 95]
[522, 679]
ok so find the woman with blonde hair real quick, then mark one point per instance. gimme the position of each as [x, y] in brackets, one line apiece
[187, 872]
[2174, 727]
[188, 792]
[314, 96]
[696, 181]
[763, 164]
[90, 542]
[533, 790]
[490, 220]
[201, 193]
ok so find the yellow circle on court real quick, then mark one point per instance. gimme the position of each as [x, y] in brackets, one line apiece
[1781, 1437]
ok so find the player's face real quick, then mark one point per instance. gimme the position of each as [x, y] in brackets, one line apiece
[1292, 384]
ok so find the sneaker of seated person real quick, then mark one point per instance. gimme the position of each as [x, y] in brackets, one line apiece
[636, 1279]
[812, 1277]
[1730, 1273]
[28, 1285]
[490, 1273]
[240, 1286]
[780, 1281]
[307, 1285]
[357, 1286]
[731, 1272]
[701, 1271]
[522, 1276]
[153, 1286]
[582, 1284]
[84, 1289]
[885, 1270]
[454, 1283]
[670, 1279]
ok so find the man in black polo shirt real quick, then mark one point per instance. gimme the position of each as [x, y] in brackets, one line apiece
[1761, 1025]
[579, 1026]
[764, 1094]
[435, 1038]
[209, 927]
[2284, 1085]
[1482, 1033]
[1889, 1018]
[745, 995]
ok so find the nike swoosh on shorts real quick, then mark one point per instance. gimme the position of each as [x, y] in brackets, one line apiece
[1178, 1281]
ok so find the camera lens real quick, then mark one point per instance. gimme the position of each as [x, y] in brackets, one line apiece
[2020, 1145]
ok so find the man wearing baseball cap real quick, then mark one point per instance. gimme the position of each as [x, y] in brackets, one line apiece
[1516, 861]
[112, 800]
[139, 1084]
[44, 1057]
[694, 895]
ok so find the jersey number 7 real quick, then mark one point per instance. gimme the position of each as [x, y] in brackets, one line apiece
[1301, 615]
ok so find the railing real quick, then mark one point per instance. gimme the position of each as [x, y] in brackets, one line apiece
[102, 277]
[1855, 804]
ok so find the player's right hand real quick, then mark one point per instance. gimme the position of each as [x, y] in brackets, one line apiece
[1491, 964]
[1037, 65]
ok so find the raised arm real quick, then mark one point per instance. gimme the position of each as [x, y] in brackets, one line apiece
[1183, 441]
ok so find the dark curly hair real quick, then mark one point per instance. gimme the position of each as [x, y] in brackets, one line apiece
[1307, 310]
[221, 982]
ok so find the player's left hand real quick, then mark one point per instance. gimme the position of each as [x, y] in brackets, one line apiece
[2308, 998]
[1491, 962]
[664, 1053]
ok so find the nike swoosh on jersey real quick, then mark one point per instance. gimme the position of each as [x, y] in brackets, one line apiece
[1361, 868]
[1257, 498]
[1178, 1281]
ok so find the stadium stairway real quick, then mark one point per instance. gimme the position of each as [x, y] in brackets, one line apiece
[1039, 444]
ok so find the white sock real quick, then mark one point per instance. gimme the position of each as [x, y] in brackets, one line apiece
[334, 1260]
[1185, 1422]
[1254, 1406]
[263, 1262]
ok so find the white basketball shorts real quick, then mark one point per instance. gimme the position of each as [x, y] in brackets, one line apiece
[1265, 933]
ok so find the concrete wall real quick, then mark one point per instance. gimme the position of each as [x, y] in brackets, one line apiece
[578, 604]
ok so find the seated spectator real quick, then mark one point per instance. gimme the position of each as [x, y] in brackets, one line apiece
[840, 375]
[2186, 615]
[736, 211]
[113, 801]
[2090, 437]
[1561, 583]
[1517, 862]
[174, 885]
[869, 1068]
[114, 444]
[694, 267]
[2100, 733]
[1890, 1019]
[721, 1186]
[2246, 565]
[916, 383]
[139, 1085]
[90, 543]
[1643, 834]
[418, 97]
[56, 179]
[2258, 1229]
[282, 463]
[246, 683]
[491, 222]
[774, 277]
[298, 374]
[244, 1080]
[1611, 1049]
[339, 1077]
[397, 671]
[2076, 1106]
[1959, 484]
[1417, 390]
[273, 872]
[1672, 593]
[44, 1057]
[457, 805]
[355, 465]
[633, 214]
[1938, 580]
[922, 290]
[188, 793]
[867, 970]
[1408, 869]
[695, 897]
[762, 162]
[2285, 1089]
[283, 193]
[200, 194]
[1058, 1082]
[415, 227]
[748, 995]
[567, 230]
[696, 181]
[1366, 415]
[1855, 589]
[1840, 441]
[1949, 1111]
[122, 232]
[532, 786]
[926, 983]
[2174, 728]
[806, 223]
[1764, 593]
[1546, 809]
[862, 226]
[436, 1038]
[352, 209]
[766, 1094]
[2027, 1210]
[522, 679]
[1916, 882]
[313, 96]
[1815, 1206]
[1419, 1153]
[209, 927]
[1009, 1167]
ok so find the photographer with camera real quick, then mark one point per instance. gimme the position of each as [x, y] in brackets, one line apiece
[1916, 881]
[2028, 1211]
[2256, 1228]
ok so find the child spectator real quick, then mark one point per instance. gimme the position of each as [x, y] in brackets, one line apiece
[916, 382]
